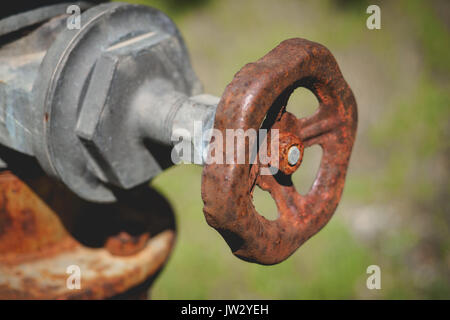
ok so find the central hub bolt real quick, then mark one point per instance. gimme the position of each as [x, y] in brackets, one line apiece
[291, 153]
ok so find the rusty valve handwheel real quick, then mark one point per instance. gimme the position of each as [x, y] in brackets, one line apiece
[257, 98]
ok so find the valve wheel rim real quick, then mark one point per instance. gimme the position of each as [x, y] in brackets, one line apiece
[260, 91]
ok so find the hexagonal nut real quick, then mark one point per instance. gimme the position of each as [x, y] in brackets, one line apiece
[108, 122]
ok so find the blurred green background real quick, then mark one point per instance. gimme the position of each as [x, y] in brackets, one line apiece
[394, 212]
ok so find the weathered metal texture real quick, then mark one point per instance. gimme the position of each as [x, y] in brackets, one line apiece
[36, 246]
[99, 95]
[287, 141]
[257, 97]
[19, 65]
[125, 244]
[82, 101]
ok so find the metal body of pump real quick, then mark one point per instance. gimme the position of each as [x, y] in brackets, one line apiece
[98, 108]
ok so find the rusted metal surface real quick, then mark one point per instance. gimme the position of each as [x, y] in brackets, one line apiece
[257, 97]
[125, 244]
[287, 141]
[109, 243]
